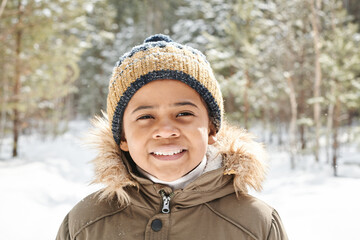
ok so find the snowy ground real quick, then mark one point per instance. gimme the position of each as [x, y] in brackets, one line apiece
[40, 186]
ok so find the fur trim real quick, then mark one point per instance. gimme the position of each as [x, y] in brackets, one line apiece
[241, 156]
[110, 169]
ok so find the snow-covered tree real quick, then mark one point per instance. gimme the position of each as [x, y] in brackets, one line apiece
[39, 58]
[236, 55]
[340, 61]
[115, 27]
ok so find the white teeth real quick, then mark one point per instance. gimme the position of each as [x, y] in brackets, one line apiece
[167, 153]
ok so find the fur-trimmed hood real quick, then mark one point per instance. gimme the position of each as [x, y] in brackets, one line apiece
[242, 157]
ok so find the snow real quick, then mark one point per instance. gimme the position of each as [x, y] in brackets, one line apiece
[40, 186]
[312, 203]
[51, 175]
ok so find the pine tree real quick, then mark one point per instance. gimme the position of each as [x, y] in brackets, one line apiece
[199, 19]
[115, 27]
[236, 57]
[41, 51]
[342, 70]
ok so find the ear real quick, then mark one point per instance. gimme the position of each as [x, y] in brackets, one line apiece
[212, 135]
[124, 145]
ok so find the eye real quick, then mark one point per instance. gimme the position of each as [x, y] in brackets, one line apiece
[144, 117]
[184, 114]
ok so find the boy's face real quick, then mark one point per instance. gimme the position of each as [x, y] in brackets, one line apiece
[167, 129]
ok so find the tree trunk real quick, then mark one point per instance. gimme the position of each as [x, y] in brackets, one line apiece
[301, 113]
[229, 103]
[329, 125]
[335, 135]
[349, 138]
[17, 83]
[2, 7]
[246, 100]
[318, 77]
[264, 123]
[292, 128]
[154, 17]
[4, 101]
[280, 134]
[302, 101]
[149, 17]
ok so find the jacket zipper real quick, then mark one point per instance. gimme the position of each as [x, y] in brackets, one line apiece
[166, 201]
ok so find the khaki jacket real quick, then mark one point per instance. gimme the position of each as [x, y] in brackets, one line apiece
[214, 206]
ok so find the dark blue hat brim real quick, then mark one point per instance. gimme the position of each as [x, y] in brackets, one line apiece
[214, 111]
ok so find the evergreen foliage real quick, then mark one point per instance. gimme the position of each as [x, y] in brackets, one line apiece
[39, 55]
[56, 58]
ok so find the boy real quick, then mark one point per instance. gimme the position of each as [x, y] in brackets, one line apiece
[170, 166]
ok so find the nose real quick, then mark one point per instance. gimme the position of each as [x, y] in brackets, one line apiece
[166, 130]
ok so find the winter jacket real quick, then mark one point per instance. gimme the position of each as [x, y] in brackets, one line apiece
[214, 206]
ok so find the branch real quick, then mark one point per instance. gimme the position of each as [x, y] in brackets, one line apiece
[2, 7]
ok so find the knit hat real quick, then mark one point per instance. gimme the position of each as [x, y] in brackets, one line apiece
[159, 57]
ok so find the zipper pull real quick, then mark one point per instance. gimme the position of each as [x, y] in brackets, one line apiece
[166, 202]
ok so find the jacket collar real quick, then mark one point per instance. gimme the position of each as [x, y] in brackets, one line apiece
[180, 182]
[242, 166]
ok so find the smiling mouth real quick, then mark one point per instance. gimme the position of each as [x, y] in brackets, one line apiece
[173, 155]
[168, 153]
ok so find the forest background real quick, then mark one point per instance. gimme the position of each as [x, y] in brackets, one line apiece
[289, 70]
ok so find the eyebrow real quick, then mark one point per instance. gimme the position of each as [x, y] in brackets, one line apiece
[184, 103]
[142, 108]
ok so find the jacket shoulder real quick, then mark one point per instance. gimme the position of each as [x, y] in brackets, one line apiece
[251, 215]
[90, 210]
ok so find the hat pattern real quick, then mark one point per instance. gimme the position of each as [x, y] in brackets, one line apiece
[161, 58]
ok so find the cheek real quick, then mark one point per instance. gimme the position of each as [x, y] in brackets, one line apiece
[202, 137]
[131, 141]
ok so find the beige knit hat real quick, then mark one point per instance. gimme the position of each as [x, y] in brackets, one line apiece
[161, 58]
